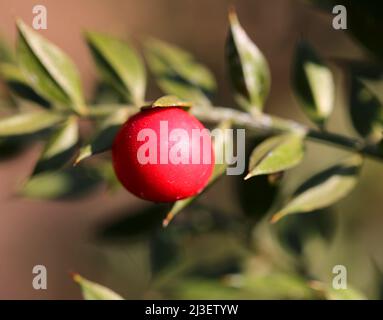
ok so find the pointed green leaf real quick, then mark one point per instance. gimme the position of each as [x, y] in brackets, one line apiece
[6, 54]
[60, 147]
[48, 70]
[30, 122]
[221, 140]
[324, 188]
[169, 101]
[94, 291]
[106, 171]
[120, 65]
[365, 109]
[17, 82]
[331, 293]
[67, 183]
[105, 136]
[10, 72]
[276, 154]
[313, 84]
[345, 294]
[178, 73]
[248, 68]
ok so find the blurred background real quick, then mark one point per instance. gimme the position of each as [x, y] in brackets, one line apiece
[222, 246]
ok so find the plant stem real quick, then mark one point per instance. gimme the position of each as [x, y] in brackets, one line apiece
[265, 124]
[268, 124]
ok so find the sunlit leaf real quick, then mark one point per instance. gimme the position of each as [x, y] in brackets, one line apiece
[324, 188]
[68, 183]
[331, 293]
[48, 70]
[220, 142]
[17, 82]
[6, 54]
[105, 93]
[345, 294]
[94, 291]
[105, 170]
[60, 147]
[248, 69]
[237, 286]
[177, 72]
[29, 122]
[120, 65]
[105, 135]
[276, 285]
[170, 101]
[276, 154]
[313, 84]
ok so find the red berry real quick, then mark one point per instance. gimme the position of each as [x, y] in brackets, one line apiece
[157, 180]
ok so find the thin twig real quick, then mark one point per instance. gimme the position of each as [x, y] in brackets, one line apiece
[271, 124]
[265, 124]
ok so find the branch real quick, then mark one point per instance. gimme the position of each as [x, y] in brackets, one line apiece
[265, 124]
[270, 125]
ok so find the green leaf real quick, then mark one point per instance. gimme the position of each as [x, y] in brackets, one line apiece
[365, 109]
[6, 54]
[169, 101]
[220, 141]
[345, 294]
[276, 154]
[68, 183]
[106, 172]
[248, 69]
[120, 65]
[48, 70]
[330, 293]
[16, 81]
[60, 147]
[324, 188]
[178, 73]
[104, 138]
[29, 122]
[94, 291]
[105, 93]
[313, 84]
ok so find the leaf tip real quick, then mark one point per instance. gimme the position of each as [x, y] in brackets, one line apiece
[232, 14]
[19, 22]
[167, 219]
[84, 153]
[248, 176]
[75, 276]
[165, 222]
[276, 217]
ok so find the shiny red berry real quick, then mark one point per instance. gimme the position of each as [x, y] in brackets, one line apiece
[163, 155]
